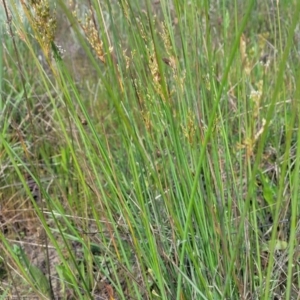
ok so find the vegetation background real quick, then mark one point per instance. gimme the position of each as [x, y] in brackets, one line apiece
[149, 149]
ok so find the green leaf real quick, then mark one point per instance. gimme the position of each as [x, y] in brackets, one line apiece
[269, 192]
[38, 277]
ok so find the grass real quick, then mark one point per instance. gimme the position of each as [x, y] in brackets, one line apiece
[148, 150]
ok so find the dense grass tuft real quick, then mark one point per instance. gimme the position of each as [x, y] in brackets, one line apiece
[148, 150]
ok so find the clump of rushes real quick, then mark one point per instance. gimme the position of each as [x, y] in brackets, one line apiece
[184, 168]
